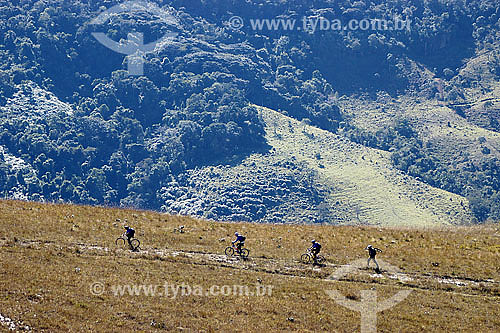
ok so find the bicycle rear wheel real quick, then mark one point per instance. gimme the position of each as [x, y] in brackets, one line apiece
[229, 251]
[305, 258]
[134, 244]
[320, 259]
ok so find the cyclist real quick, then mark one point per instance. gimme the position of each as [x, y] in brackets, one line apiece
[315, 249]
[129, 233]
[372, 251]
[240, 241]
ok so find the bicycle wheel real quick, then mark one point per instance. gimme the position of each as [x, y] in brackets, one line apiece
[134, 243]
[229, 251]
[120, 241]
[305, 258]
[320, 259]
[245, 253]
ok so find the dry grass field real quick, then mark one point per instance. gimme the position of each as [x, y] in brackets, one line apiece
[51, 256]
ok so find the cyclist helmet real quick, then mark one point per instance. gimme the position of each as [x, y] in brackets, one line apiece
[369, 247]
[126, 227]
[236, 234]
[313, 241]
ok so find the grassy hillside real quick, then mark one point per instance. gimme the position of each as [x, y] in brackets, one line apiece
[52, 254]
[449, 134]
[355, 184]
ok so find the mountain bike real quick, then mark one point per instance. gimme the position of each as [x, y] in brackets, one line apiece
[231, 250]
[180, 229]
[308, 257]
[134, 243]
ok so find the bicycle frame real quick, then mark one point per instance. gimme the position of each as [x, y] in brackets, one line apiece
[309, 252]
[236, 248]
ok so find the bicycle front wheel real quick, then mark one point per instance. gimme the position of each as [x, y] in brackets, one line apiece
[134, 244]
[229, 251]
[305, 258]
[245, 253]
[120, 241]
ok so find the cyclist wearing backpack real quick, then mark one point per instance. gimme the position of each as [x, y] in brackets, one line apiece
[372, 251]
[315, 249]
[240, 241]
[129, 233]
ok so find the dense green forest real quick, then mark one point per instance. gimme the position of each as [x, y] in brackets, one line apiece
[129, 140]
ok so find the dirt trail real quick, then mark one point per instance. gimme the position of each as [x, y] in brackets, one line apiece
[492, 99]
[13, 325]
[290, 268]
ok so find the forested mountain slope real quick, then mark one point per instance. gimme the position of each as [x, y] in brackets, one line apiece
[74, 126]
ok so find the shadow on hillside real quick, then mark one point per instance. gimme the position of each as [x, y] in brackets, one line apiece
[237, 158]
[368, 71]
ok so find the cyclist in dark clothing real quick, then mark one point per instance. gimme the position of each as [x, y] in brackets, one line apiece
[129, 233]
[240, 241]
[315, 249]
[372, 251]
